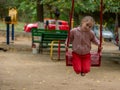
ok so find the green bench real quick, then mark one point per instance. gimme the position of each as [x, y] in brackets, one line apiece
[45, 37]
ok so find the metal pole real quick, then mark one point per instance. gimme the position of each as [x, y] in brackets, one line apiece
[119, 37]
[71, 15]
[7, 31]
[12, 32]
[101, 21]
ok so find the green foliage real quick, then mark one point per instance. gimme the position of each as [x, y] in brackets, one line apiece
[85, 5]
[112, 6]
[27, 8]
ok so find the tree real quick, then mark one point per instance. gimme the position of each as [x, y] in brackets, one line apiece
[40, 13]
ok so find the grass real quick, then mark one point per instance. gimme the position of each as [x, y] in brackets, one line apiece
[17, 27]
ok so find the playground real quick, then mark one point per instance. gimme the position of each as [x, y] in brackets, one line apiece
[20, 69]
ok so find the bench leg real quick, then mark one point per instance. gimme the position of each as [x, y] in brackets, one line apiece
[40, 48]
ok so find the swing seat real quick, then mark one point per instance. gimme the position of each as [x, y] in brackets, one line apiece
[95, 58]
[69, 58]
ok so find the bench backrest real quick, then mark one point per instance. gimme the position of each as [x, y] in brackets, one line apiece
[35, 30]
[53, 36]
[50, 35]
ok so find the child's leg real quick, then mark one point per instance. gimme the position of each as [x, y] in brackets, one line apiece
[86, 63]
[76, 61]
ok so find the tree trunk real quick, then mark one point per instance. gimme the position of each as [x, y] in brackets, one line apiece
[40, 14]
[116, 23]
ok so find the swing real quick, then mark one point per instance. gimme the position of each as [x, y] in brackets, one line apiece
[95, 56]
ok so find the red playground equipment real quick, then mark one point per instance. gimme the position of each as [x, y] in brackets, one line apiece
[96, 56]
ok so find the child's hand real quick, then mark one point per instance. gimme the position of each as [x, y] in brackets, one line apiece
[66, 46]
[100, 48]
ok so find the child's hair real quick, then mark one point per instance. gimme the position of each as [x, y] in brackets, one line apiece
[86, 19]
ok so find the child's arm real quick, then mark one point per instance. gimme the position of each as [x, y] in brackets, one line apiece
[71, 37]
[95, 40]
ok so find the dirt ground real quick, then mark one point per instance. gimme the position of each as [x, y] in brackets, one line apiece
[20, 69]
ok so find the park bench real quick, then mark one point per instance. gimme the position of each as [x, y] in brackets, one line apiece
[45, 37]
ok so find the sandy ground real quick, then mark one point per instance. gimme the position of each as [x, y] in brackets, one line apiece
[22, 70]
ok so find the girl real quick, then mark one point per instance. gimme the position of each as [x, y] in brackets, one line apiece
[81, 38]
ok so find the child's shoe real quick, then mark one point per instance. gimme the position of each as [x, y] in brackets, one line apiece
[82, 74]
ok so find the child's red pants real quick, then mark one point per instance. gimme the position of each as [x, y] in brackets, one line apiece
[81, 63]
